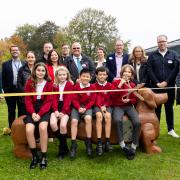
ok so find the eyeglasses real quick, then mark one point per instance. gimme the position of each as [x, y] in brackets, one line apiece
[162, 41]
[76, 48]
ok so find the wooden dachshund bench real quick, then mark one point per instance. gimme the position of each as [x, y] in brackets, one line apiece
[148, 135]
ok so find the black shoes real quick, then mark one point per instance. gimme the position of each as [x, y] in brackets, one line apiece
[89, 149]
[43, 163]
[63, 151]
[73, 150]
[34, 162]
[108, 147]
[99, 149]
[131, 154]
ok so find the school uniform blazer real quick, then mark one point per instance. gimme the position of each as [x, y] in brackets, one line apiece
[30, 101]
[86, 99]
[103, 98]
[111, 65]
[67, 98]
[117, 96]
[86, 62]
[7, 76]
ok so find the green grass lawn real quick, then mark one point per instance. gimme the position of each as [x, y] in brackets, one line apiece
[165, 165]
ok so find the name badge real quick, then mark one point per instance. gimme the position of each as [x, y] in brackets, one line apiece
[84, 65]
[170, 61]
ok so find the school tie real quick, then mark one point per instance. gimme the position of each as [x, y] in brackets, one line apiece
[79, 66]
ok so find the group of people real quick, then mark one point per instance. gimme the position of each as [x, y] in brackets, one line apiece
[77, 72]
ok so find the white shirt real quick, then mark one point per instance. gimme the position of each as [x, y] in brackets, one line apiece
[100, 63]
[40, 87]
[163, 52]
[16, 64]
[61, 89]
[137, 70]
[82, 86]
[119, 59]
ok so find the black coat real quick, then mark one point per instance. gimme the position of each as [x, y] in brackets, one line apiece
[24, 74]
[163, 68]
[143, 74]
[86, 62]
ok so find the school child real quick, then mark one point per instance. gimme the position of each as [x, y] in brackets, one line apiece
[82, 108]
[124, 104]
[61, 108]
[102, 109]
[37, 109]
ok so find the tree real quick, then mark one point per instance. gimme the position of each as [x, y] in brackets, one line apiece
[93, 28]
[26, 32]
[4, 51]
[44, 33]
[60, 38]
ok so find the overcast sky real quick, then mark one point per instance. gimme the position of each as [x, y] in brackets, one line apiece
[137, 20]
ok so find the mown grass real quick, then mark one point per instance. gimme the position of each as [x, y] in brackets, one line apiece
[110, 166]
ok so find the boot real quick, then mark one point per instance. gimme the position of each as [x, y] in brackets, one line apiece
[73, 149]
[43, 162]
[34, 161]
[108, 147]
[99, 148]
[89, 149]
[63, 147]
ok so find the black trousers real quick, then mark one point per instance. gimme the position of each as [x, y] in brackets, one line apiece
[169, 111]
[12, 102]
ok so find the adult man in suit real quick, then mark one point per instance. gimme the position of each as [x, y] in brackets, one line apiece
[10, 70]
[116, 60]
[163, 66]
[77, 61]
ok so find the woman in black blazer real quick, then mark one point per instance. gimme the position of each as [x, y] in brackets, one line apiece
[138, 60]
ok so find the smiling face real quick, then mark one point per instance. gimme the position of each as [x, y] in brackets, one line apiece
[40, 72]
[54, 57]
[85, 78]
[138, 53]
[100, 54]
[127, 74]
[47, 47]
[15, 53]
[62, 76]
[102, 76]
[119, 47]
[30, 58]
[76, 49]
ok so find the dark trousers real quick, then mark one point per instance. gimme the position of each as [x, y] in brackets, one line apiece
[11, 104]
[131, 112]
[169, 111]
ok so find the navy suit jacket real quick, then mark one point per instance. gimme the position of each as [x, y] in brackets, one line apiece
[111, 65]
[7, 76]
[86, 62]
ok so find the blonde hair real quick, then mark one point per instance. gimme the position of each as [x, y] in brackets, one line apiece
[62, 68]
[132, 58]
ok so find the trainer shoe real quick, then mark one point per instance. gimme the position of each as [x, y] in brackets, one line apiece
[173, 134]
